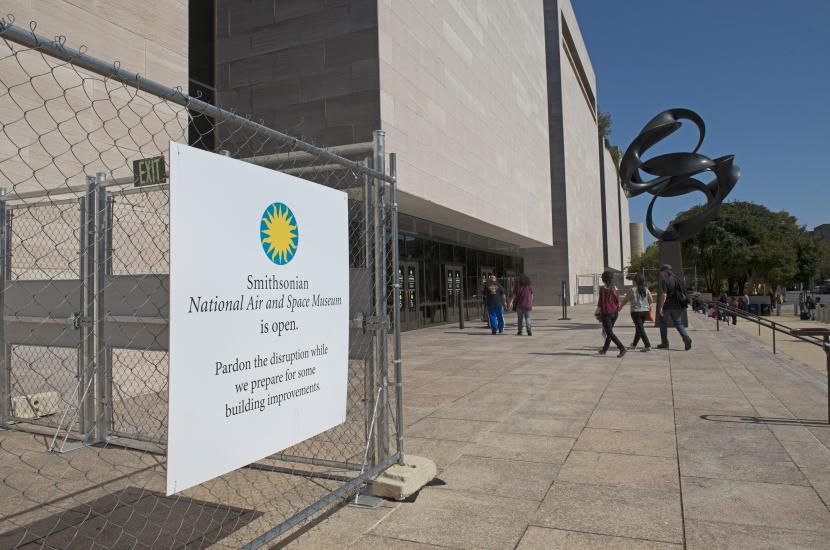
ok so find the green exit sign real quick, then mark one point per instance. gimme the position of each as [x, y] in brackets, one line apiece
[148, 171]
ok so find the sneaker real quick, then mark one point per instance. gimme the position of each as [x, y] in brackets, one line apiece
[688, 344]
[529, 333]
[493, 332]
[662, 346]
[603, 352]
[501, 332]
[647, 349]
[621, 353]
[632, 348]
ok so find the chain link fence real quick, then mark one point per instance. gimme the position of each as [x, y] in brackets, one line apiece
[84, 335]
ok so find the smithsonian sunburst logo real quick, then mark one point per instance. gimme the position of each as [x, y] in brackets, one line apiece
[279, 233]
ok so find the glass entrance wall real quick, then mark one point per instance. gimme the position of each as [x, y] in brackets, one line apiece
[439, 252]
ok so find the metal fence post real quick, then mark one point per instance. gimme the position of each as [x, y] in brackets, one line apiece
[380, 295]
[109, 217]
[5, 378]
[79, 315]
[88, 314]
[103, 401]
[393, 172]
[371, 260]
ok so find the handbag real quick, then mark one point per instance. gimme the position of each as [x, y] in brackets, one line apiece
[650, 316]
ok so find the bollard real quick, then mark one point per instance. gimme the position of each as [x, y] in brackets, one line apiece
[564, 302]
[461, 308]
[773, 338]
[827, 354]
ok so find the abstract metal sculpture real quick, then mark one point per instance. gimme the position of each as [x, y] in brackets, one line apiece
[675, 174]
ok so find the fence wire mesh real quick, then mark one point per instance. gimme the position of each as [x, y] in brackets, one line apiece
[84, 333]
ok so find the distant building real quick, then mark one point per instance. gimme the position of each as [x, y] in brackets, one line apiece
[637, 239]
[823, 231]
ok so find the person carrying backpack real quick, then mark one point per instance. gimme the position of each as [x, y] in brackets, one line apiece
[673, 300]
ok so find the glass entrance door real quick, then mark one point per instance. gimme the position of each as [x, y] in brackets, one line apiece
[453, 277]
[509, 282]
[408, 280]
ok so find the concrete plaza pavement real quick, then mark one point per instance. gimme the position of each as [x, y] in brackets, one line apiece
[542, 443]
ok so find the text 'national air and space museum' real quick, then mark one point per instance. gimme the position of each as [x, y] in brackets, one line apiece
[491, 108]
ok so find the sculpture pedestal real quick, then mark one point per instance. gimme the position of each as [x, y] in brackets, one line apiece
[671, 252]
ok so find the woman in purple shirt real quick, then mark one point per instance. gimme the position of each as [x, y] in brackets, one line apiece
[523, 303]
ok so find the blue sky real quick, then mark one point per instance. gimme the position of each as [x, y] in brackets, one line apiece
[757, 71]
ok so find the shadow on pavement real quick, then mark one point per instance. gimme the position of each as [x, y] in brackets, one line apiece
[762, 420]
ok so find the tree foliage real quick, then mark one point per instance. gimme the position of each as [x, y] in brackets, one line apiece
[647, 263]
[604, 124]
[747, 242]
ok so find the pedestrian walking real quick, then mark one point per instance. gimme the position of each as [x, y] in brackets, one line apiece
[523, 303]
[640, 298]
[607, 312]
[811, 308]
[673, 300]
[744, 301]
[734, 305]
[496, 300]
[724, 300]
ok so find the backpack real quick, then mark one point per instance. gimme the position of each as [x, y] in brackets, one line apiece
[680, 293]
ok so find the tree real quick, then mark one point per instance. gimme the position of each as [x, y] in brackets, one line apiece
[647, 263]
[748, 242]
[604, 124]
[812, 254]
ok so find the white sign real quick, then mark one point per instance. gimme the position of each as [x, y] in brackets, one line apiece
[259, 308]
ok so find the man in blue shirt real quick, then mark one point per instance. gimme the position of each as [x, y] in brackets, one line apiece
[496, 300]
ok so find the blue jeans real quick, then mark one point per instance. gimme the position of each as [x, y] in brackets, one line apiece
[496, 319]
[677, 317]
[524, 315]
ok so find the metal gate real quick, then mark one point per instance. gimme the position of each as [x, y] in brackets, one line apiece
[84, 291]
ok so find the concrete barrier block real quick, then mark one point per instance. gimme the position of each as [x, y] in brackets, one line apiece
[398, 482]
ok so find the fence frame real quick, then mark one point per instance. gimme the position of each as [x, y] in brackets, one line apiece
[95, 412]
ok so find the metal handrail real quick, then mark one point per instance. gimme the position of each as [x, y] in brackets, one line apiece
[764, 322]
[801, 334]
